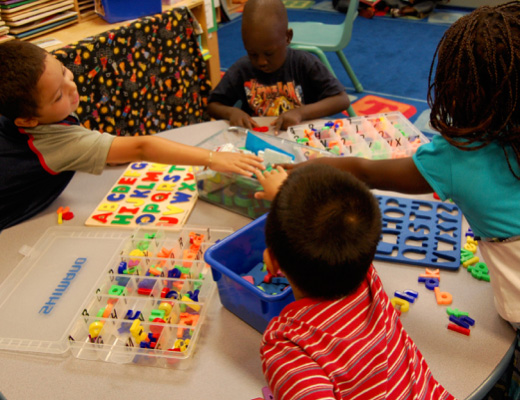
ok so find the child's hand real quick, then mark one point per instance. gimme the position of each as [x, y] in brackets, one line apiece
[244, 164]
[271, 182]
[287, 119]
[241, 118]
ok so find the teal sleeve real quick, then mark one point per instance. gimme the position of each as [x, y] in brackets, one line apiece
[433, 160]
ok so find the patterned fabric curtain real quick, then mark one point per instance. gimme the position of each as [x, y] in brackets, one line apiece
[143, 78]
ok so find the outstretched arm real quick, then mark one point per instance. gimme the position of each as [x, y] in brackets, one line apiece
[325, 107]
[234, 115]
[164, 151]
[271, 182]
[399, 175]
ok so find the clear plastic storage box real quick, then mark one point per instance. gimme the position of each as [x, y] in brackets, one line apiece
[377, 136]
[236, 192]
[229, 260]
[106, 295]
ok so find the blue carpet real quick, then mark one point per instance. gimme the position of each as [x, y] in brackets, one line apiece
[391, 57]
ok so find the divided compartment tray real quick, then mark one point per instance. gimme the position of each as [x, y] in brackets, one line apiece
[73, 284]
[375, 136]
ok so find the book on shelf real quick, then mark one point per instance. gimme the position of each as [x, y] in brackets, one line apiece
[38, 12]
[37, 31]
[53, 19]
[6, 38]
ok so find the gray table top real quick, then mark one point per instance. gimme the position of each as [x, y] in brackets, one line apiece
[227, 363]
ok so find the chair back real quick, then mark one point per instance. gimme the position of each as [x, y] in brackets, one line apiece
[348, 23]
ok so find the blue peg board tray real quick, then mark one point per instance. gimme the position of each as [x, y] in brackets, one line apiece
[420, 232]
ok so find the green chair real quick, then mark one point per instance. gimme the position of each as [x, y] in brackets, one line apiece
[316, 38]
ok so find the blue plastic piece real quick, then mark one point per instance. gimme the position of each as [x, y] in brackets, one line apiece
[430, 283]
[122, 267]
[412, 293]
[146, 284]
[194, 295]
[468, 320]
[459, 321]
[174, 273]
[255, 144]
[418, 228]
[404, 296]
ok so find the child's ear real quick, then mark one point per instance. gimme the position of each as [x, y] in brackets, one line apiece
[26, 122]
[271, 262]
[289, 36]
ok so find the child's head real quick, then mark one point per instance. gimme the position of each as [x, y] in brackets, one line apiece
[35, 87]
[475, 93]
[266, 33]
[323, 230]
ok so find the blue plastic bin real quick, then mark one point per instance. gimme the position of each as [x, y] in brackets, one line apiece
[238, 254]
[123, 10]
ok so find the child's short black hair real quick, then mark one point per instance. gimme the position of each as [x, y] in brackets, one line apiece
[323, 228]
[21, 67]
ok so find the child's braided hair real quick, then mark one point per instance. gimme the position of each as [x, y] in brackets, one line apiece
[475, 93]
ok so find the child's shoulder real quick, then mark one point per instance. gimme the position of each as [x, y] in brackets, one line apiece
[7, 127]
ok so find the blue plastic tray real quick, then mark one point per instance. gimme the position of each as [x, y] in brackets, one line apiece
[420, 232]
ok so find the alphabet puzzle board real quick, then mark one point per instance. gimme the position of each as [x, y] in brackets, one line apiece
[420, 232]
[148, 194]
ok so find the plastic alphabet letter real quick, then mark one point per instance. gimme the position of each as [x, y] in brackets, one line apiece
[430, 283]
[404, 296]
[459, 329]
[443, 298]
[456, 312]
[431, 274]
[403, 304]
[459, 321]
[94, 329]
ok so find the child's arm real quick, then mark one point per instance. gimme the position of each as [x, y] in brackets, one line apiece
[234, 115]
[271, 182]
[399, 175]
[328, 106]
[164, 151]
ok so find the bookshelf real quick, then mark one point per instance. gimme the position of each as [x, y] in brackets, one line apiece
[231, 9]
[85, 9]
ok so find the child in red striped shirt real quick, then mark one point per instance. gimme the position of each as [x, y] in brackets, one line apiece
[341, 338]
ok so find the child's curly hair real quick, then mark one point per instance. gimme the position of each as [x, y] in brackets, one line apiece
[475, 93]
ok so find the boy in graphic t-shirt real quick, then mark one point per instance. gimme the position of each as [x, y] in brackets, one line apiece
[273, 79]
